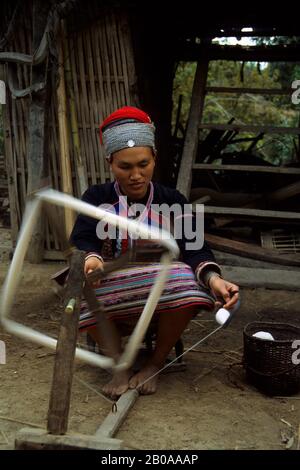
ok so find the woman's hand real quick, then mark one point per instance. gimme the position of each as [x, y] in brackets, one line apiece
[90, 265]
[226, 290]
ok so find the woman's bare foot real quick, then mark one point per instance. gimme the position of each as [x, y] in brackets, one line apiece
[150, 386]
[118, 385]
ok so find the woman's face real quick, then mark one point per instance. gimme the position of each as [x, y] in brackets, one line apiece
[133, 169]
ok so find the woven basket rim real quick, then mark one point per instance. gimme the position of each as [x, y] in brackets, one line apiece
[278, 326]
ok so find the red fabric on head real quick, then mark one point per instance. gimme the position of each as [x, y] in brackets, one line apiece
[126, 112]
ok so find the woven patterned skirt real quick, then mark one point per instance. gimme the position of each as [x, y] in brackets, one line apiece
[124, 293]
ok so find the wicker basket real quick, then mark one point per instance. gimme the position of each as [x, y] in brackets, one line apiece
[268, 364]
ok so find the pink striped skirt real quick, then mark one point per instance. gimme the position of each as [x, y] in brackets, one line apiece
[124, 293]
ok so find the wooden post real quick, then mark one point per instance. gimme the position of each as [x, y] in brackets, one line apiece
[11, 171]
[38, 170]
[64, 361]
[65, 163]
[184, 180]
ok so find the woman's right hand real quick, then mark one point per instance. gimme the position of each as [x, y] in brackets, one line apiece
[90, 265]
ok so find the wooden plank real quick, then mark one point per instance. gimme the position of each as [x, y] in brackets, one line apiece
[285, 192]
[250, 251]
[190, 147]
[231, 259]
[253, 91]
[39, 439]
[255, 129]
[278, 195]
[233, 211]
[65, 352]
[255, 168]
[113, 421]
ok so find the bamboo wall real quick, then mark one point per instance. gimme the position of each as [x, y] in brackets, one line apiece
[102, 79]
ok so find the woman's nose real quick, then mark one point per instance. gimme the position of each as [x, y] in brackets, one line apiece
[135, 175]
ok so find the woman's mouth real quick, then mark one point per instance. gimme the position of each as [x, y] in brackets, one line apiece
[136, 185]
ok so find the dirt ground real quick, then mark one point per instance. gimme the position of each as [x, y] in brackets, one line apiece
[208, 406]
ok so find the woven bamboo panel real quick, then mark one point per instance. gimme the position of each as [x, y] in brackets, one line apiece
[103, 78]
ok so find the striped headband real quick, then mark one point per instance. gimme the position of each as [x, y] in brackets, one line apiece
[125, 128]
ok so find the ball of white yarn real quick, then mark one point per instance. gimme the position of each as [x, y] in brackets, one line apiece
[264, 335]
[222, 316]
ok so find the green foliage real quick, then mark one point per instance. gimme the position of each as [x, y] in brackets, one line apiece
[284, 73]
[246, 108]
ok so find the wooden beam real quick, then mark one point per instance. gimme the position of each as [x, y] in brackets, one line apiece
[284, 192]
[40, 439]
[190, 147]
[255, 129]
[250, 251]
[256, 213]
[253, 91]
[254, 168]
[189, 51]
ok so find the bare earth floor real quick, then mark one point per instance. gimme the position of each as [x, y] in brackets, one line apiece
[208, 406]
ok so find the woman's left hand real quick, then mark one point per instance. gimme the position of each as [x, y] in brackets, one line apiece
[226, 290]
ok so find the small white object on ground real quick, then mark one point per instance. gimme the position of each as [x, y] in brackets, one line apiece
[264, 335]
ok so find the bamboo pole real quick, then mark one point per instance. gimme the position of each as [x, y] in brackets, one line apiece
[79, 167]
[65, 164]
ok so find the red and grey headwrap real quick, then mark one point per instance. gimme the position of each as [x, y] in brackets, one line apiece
[127, 127]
